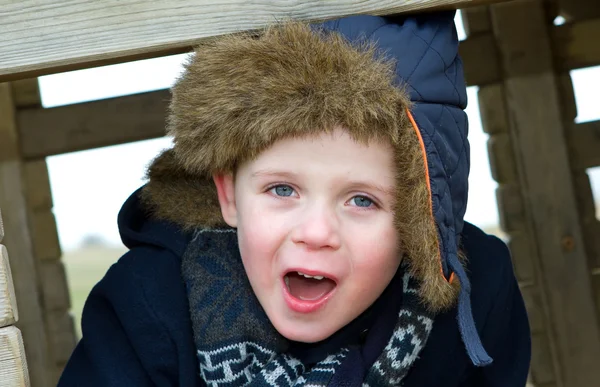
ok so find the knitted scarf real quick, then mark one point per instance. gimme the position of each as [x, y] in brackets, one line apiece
[238, 346]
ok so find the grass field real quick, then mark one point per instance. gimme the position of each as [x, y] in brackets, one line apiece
[85, 267]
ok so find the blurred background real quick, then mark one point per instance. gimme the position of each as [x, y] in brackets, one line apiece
[89, 187]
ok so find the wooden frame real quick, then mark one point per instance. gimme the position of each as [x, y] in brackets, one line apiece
[45, 36]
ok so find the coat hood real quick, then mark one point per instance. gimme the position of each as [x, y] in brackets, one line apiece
[395, 79]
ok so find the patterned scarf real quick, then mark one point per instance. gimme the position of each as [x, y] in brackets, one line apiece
[237, 345]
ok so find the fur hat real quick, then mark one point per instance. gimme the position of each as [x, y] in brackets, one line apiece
[241, 93]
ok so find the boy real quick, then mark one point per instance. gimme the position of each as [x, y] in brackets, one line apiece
[306, 228]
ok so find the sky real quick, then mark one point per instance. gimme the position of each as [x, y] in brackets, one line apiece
[89, 187]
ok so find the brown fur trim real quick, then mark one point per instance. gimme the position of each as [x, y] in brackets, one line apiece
[179, 197]
[242, 93]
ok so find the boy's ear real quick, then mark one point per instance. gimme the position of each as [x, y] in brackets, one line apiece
[226, 194]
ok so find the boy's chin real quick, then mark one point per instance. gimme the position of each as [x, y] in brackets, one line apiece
[304, 332]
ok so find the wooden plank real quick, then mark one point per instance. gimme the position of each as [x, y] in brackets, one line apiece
[54, 286]
[480, 59]
[523, 253]
[13, 366]
[502, 159]
[8, 302]
[26, 93]
[589, 223]
[576, 44]
[584, 145]
[579, 9]
[44, 234]
[14, 213]
[61, 328]
[45, 132]
[476, 20]
[45, 36]
[537, 131]
[37, 185]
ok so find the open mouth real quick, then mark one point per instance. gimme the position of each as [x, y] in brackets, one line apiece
[305, 287]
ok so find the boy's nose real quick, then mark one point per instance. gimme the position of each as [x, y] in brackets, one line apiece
[318, 229]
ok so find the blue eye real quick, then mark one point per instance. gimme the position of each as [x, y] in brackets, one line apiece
[361, 201]
[282, 190]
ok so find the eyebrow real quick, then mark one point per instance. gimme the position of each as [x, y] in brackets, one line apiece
[273, 173]
[371, 186]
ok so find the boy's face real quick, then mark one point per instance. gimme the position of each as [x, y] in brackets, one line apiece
[321, 206]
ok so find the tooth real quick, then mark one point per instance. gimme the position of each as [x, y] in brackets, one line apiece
[318, 277]
[287, 281]
[301, 273]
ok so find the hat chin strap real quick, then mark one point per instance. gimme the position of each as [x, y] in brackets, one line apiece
[466, 324]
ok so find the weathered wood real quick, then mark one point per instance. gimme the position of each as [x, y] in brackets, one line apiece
[44, 234]
[14, 213]
[55, 292]
[542, 371]
[584, 145]
[576, 44]
[537, 131]
[45, 132]
[568, 102]
[45, 36]
[579, 9]
[522, 251]
[511, 209]
[476, 20]
[589, 223]
[9, 313]
[60, 330]
[26, 93]
[480, 59]
[502, 159]
[38, 192]
[53, 288]
[13, 367]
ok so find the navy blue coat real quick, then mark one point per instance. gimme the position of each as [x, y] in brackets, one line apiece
[137, 330]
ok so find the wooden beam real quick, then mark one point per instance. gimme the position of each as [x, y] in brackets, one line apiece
[19, 243]
[537, 131]
[46, 36]
[480, 59]
[584, 145]
[26, 93]
[45, 132]
[576, 44]
[579, 9]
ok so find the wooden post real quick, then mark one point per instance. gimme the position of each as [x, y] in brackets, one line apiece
[14, 210]
[537, 202]
[13, 366]
[583, 142]
[53, 287]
